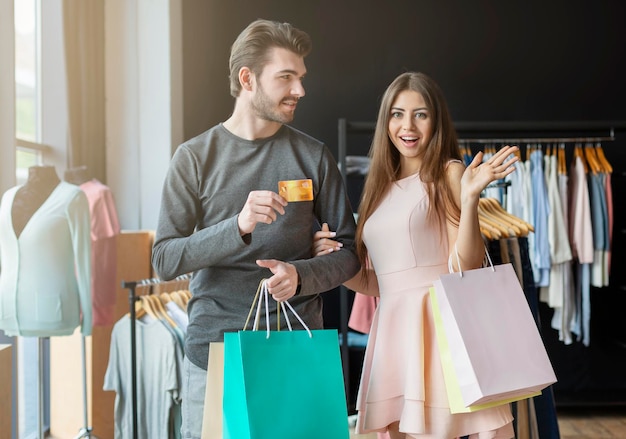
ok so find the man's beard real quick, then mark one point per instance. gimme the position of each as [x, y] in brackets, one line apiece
[267, 110]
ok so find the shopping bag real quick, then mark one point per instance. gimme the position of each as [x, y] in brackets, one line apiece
[212, 419]
[455, 400]
[283, 384]
[494, 343]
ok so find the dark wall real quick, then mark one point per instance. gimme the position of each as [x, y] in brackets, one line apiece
[495, 60]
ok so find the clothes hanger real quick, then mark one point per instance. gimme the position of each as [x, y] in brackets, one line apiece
[592, 160]
[160, 310]
[139, 310]
[517, 220]
[179, 299]
[606, 166]
[506, 228]
[496, 229]
[146, 306]
[521, 227]
[530, 148]
[562, 165]
[578, 152]
[487, 231]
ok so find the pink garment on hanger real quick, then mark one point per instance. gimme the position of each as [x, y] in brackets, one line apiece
[362, 312]
[609, 211]
[104, 229]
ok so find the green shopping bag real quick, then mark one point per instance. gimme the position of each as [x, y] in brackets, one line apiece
[283, 384]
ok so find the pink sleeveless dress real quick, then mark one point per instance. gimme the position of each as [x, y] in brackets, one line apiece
[402, 378]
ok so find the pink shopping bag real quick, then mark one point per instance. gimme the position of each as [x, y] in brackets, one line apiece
[494, 342]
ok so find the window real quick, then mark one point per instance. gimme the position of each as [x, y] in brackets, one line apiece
[27, 87]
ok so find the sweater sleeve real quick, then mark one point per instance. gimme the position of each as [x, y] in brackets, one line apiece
[319, 274]
[80, 225]
[179, 248]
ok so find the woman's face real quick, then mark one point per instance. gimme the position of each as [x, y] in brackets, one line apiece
[410, 128]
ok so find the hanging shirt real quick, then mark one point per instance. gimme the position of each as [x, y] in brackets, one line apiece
[541, 211]
[581, 240]
[609, 219]
[104, 229]
[517, 197]
[564, 318]
[45, 279]
[560, 252]
[159, 371]
[599, 226]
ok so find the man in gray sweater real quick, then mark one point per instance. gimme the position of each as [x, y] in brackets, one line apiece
[223, 219]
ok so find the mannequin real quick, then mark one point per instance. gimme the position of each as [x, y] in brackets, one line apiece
[41, 182]
[45, 251]
[77, 175]
[44, 283]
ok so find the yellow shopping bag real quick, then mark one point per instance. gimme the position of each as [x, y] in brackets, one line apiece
[452, 383]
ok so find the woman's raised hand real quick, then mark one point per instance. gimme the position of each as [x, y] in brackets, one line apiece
[479, 175]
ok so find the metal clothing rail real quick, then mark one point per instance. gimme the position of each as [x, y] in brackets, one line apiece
[568, 131]
[526, 140]
[586, 126]
[132, 299]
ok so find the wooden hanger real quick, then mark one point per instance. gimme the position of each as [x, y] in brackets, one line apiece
[525, 226]
[504, 225]
[592, 159]
[606, 166]
[160, 310]
[561, 160]
[143, 306]
[578, 152]
[488, 231]
[179, 299]
[496, 229]
[519, 227]
[514, 225]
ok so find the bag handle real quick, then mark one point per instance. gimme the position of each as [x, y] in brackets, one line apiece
[256, 297]
[255, 326]
[262, 290]
[458, 261]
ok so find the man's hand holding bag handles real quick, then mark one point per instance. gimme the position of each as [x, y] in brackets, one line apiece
[283, 384]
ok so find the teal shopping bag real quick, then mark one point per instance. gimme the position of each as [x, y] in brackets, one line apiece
[284, 385]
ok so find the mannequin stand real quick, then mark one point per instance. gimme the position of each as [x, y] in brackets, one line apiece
[85, 432]
[40, 397]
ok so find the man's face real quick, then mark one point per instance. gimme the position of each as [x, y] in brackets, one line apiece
[279, 86]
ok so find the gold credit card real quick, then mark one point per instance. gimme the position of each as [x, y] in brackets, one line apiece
[296, 190]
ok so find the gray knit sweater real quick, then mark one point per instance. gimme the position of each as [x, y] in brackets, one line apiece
[206, 186]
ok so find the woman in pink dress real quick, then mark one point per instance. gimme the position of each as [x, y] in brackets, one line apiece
[418, 201]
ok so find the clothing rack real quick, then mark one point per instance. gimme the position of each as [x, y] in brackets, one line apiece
[132, 299]
[527, 132]
[493, 132]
